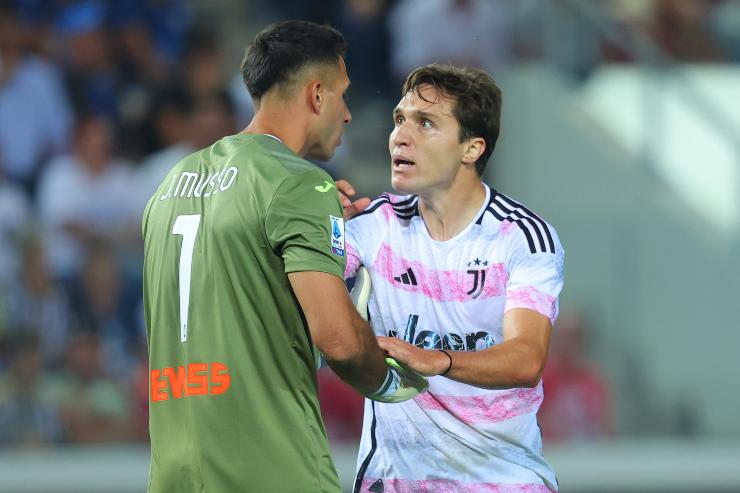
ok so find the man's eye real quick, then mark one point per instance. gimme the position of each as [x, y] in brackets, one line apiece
[426, 123]
[398, 120]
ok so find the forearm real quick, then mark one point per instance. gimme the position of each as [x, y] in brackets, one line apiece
[364, 368]
[512, 363]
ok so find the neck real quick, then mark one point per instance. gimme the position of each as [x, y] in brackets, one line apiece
[284, 121]
[446, 213]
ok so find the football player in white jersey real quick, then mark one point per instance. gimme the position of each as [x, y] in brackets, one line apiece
[465, 287]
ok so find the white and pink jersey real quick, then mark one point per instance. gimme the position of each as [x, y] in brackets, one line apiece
[452, 295]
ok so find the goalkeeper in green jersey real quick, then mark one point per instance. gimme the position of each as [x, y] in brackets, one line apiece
[244, 257]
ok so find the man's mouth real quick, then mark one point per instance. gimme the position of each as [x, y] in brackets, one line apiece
[401, 163]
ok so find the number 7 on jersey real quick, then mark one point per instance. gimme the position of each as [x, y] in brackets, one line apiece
[187, 227]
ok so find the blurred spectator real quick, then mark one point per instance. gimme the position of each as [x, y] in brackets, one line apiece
[14, 220]
[93, 408]
[311, 10]
[151, 32]
[39, 305]
[100, 308]
[85, 196]
[364, 26]
[212, 118]
[171, 126]
[577, 404]
[26, 418]
[35, 119]
[139, 398]
[465, 32]
[202, 67]
[148, 38]
[725, 27]
[184, 124]
[341, 407]
[243, 104]
[87, 58]
[681, 28]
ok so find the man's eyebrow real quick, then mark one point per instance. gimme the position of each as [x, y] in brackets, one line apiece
[420, 115]
[417, 114]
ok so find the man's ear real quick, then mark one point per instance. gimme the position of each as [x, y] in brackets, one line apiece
[474, 149]
[315, 95]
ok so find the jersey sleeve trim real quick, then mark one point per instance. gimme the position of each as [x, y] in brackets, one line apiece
[403, 209]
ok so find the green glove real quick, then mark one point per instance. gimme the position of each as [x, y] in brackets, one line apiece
[401, 384]
[360, 293]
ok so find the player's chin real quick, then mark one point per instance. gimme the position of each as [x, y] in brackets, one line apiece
[402, 184]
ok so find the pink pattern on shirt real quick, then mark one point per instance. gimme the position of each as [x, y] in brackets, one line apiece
[506, 228]
[530, 297]
[353, 262]
[452, 486]
[492, 408]
[440, 285]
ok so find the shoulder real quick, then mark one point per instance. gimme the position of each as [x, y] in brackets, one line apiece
[273, 159]
[520, 225]
[389, 207]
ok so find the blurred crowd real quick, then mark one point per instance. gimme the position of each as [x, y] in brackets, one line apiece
[98, 99]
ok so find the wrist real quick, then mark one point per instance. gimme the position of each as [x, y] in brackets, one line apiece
[388, 387]
[446, 364]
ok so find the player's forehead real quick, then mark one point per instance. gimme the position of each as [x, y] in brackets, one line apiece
[426, 99]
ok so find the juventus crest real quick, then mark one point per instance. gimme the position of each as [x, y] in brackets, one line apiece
[479, 277]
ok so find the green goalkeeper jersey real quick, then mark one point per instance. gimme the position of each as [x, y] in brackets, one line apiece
[233, 398]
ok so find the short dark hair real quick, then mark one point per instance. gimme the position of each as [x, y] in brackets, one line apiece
[477, 106]
[279, 52]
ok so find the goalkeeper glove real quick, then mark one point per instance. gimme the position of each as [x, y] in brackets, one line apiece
[360, 293]
[401, 383]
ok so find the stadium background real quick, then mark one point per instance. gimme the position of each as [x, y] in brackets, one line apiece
[621, 126]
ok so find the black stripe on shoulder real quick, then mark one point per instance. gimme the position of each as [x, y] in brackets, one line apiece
[535, 230]
[373, 207]
[525, 219]
[535, 217]
[406, 209]
[522, 225]
[404, 202]
[480, 218]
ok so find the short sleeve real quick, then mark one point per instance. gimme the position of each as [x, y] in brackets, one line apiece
[535, 279]
[354, 255]
[304, 224]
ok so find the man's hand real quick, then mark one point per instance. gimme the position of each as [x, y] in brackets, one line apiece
[426, 362]
[350, 209]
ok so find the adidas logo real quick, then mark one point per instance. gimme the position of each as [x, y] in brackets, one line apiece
[407, 277]
[377, 487]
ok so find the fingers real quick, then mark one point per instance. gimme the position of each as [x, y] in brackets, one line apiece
[361, 204]
[345, 188]
[350, 210]
[386, 343]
